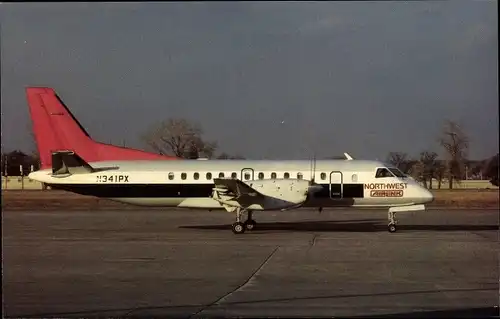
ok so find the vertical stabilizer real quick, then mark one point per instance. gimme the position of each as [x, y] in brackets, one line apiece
[56, 128]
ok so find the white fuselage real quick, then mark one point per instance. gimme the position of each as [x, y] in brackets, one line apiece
[189, 183]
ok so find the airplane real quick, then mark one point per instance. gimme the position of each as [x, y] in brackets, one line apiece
[236, 186]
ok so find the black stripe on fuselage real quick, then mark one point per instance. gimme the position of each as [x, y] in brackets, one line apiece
[184, 190]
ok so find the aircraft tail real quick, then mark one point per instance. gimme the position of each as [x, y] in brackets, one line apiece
[56, 128]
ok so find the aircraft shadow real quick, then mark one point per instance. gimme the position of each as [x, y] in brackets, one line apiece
[483, 312]
[486, 312]
[478, 312]
[366, 225]
[187, 310]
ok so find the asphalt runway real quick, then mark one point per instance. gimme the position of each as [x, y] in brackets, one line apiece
[301, 263]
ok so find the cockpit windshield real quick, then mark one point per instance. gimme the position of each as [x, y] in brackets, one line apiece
[383, 172]
[389, 172]
[397, 172]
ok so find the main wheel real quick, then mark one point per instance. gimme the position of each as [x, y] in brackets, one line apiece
[238, 228]
[392, 228]
[250, 224]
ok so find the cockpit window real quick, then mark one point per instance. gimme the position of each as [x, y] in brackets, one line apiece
[383, 172]
[396, 172]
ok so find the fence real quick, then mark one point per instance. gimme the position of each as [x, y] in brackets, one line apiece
[463, 184]
[20, 183]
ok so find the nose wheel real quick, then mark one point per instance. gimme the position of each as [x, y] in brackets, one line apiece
[392, 222]
[392, 228]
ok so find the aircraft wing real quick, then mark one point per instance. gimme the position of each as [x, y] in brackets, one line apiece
[236, 188]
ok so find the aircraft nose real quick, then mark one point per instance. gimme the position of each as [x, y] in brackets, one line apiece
[427, 195]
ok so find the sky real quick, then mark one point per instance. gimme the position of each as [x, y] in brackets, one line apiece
[274, 80]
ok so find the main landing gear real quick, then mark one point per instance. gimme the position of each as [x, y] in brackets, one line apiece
[239, 227]
[392, 222]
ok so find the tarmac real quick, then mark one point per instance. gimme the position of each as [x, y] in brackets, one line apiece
[300, 263]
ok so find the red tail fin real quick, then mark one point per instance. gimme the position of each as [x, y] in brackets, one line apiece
[56, 128]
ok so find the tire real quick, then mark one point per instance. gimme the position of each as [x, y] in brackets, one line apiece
[392, 228]
[238, 228]
[250, 224]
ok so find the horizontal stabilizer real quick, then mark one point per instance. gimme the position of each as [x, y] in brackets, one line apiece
[68, 162]
[237, 187]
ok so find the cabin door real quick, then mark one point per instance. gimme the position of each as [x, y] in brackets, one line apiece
[336, 185]
[247, 174]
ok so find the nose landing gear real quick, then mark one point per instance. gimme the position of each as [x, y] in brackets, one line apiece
[392, 222]
[392, 214]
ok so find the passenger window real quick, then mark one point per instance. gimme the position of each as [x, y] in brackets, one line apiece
[323, 176]
[383, 172]
[209, 176]
[234, 175]
[196, 176]
[286, 175]
[299, 175]
[261, 175]
[273, 175]
[183, 175]
[354, 178]
[171, 176]
[221, 175]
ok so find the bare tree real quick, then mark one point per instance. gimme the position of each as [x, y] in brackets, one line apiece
[417, 172]
[474, 169]
[180, 138]
[429, 165]
[4, 163]
[456, 145]
[400, 160]
[224, 155]
[491, 170]
[440, 172]
[193, 152]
